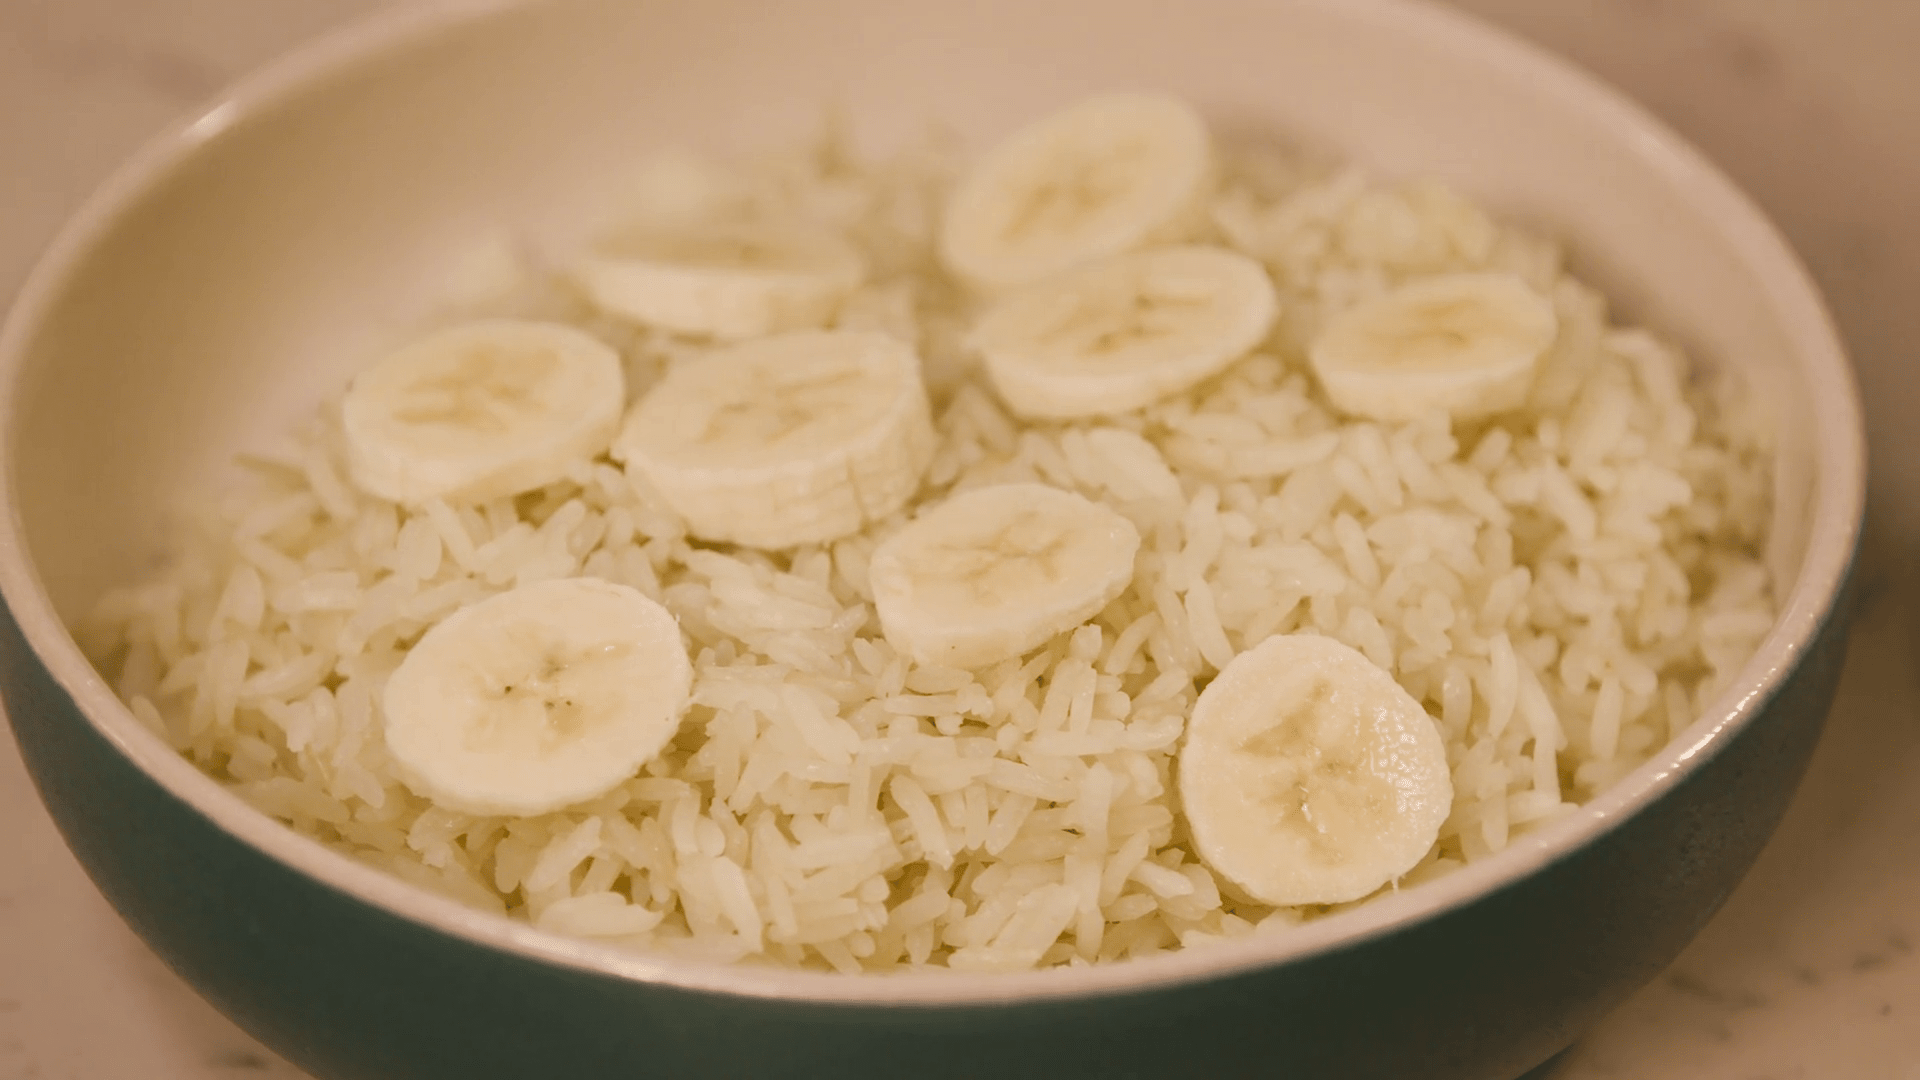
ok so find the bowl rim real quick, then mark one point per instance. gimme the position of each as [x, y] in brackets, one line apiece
[1839, 445]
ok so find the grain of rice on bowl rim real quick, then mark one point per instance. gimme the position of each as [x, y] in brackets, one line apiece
[1538, 528]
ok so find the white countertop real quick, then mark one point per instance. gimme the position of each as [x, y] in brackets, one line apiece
[1811, 972]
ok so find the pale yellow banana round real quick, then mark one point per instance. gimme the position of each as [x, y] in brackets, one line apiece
[1099, 177]
[726, 280]
[1124, 332]
[1309, 776]
[792, 439]
[994, 572]
[481, 410]
[537, 698]
[1466, 344]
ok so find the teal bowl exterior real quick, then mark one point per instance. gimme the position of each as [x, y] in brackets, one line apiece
[1484, 991]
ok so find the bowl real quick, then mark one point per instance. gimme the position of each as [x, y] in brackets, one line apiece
[234, 273]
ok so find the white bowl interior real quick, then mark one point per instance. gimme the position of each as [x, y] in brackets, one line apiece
[249, 263]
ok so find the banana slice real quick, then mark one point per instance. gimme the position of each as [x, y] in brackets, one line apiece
[1465, 343]
[481, 410]
[1309, 776]
[1124, 332]
[997, 571]
[1101, 176]
[727, 280]
[537, 698]
[793, 439]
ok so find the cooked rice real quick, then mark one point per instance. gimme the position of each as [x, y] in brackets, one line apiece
[1564, 589]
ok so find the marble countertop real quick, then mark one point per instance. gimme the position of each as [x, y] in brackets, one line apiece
[1811, 972]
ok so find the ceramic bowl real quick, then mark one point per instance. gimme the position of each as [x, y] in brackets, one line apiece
[239, 268]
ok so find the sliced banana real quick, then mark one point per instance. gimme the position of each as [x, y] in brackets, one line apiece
[481, 410]
[1465, 343]
[727, 280]
[1309, 776]
[996, 571]
[537, 698]
[792, 439]
[1121, 333]
[1101, 176]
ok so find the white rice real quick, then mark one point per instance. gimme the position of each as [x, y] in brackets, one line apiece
[1564, 589]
